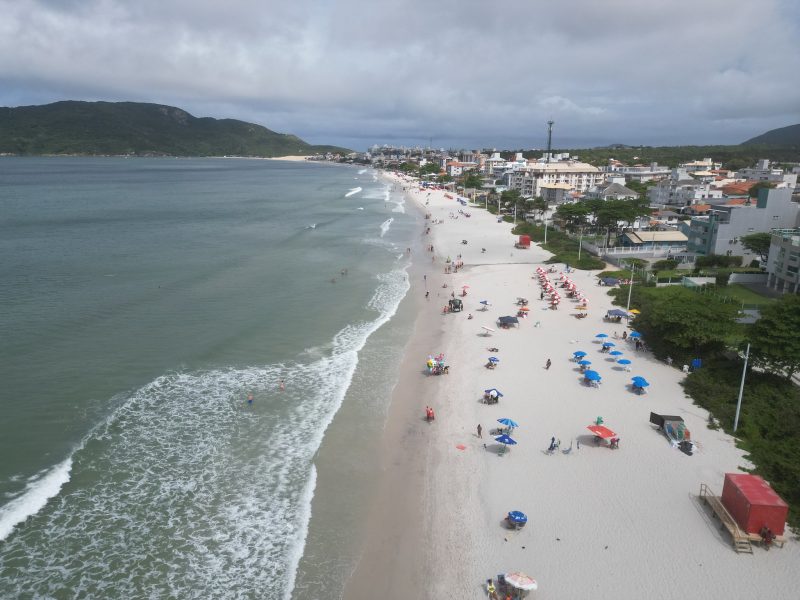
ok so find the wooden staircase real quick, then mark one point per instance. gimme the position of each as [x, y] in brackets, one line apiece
[741, 540]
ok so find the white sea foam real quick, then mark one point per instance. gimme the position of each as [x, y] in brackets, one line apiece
[299, 544]
[35, 496]
[362, 171]
[353, 191]
[184, 473]
[386, 225]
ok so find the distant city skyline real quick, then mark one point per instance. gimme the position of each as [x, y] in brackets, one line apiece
[467, 74]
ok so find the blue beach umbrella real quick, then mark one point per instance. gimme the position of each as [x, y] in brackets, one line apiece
[608, 344]
[485, 302]
[640, 382]
[508, 422]
[517, 518]
[494, 391]
[635, 335]
[623, 361]
[616, 353]
[494, 359]
[584, 362]
[601, 335]
[592, 375]
[579, 354]
[504, 439]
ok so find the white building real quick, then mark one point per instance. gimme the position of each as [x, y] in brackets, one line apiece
[783, 263]
[682, 190]
[530, 179]
[640, 173]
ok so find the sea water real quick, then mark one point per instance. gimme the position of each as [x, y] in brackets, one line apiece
[142, 302]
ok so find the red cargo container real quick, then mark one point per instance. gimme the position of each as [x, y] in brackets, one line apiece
[753, 504]
[524, 241]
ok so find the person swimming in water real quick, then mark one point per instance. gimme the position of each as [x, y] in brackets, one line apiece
[250, 398]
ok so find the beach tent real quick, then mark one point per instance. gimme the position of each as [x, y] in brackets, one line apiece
[660, 420]
[508, 321]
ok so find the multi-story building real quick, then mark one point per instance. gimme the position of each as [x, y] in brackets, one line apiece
[530, 179]
[611, 190]
[682, 190]
[763, 172]
[783, 263]
[640, 173]
[720, 231]
[700, 165]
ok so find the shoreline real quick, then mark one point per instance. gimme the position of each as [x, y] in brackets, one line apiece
[623, 520]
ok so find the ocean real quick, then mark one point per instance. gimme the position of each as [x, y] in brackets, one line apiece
[143, 302]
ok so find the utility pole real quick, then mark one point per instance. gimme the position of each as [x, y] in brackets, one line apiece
[549, 139]
[741, 389]
[545, 230]
[580, 244]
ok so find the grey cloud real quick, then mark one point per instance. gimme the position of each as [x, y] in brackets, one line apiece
[483, 74]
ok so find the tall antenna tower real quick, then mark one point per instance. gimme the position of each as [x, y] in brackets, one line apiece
[549, 139]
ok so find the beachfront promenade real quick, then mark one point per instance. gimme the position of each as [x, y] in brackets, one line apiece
[624, 522]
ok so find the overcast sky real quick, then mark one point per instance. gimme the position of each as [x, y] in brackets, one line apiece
[464, 73]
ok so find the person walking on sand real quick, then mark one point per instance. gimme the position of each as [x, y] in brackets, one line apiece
[547, 364]
[480, 431]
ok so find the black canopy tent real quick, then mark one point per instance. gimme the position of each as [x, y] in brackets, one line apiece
[508, 321]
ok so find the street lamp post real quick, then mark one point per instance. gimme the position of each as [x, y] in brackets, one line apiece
[580, 244]
[630, 290]
[545, 230]
[741, 389]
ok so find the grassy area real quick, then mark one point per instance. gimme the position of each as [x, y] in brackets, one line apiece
[743, 294]
[564, 248]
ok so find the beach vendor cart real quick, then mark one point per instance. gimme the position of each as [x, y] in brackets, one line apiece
[516, 519]
[436, 366]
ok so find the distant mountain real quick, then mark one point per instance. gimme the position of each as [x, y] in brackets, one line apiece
[115, 128]
[785, 137]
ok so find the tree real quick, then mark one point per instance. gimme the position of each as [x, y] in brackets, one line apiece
[666, 264]
[757, 243]
[540, 205]
[572, 215]
[473, 180]
[753, 191]
[681, 323]
[774, 339]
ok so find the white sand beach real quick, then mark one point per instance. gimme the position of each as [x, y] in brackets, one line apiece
[625, 523]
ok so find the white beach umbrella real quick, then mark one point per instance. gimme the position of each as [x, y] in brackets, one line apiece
[521, 581]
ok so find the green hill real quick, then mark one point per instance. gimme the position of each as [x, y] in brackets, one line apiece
[115, 128]
[788, 137]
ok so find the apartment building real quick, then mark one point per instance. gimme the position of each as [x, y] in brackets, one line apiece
[530, 179]
[783, 263]
[721, 230]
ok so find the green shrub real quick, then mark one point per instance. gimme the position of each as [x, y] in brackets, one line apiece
[769, 423]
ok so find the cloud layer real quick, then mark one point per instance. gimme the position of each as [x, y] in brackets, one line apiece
[463, 73]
